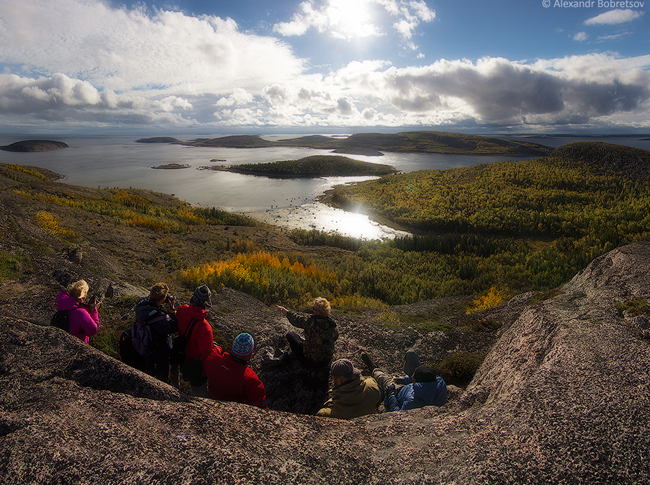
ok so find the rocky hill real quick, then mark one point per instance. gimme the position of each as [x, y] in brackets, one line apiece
[563, 397]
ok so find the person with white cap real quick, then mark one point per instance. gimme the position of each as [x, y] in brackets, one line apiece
[229, 376]
[352, 394]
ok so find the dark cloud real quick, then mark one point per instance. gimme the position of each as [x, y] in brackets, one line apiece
[500, 91]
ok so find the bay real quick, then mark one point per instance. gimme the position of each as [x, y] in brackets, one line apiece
[106, 161]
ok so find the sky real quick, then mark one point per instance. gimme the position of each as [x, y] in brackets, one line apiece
[324, 66]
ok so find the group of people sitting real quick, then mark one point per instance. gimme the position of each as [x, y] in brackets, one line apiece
[226, 375]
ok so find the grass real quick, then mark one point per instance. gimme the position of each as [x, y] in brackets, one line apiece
[12, 266]
[636, 306]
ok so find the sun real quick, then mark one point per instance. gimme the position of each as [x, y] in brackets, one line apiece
[351, 18]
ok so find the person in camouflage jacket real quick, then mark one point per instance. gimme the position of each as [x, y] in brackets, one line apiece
[316, 348]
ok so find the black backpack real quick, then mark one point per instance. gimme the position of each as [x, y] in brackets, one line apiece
[60, 320]
[129, 355]
[177, 353]
[191, 369]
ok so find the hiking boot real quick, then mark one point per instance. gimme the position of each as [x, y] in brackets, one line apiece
[368, 362]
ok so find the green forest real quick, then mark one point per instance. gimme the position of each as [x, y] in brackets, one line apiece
[314, 166]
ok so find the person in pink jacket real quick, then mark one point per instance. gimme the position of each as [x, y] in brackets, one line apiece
[83, 319]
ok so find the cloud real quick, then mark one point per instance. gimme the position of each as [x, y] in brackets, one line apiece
[348, 19]
[496, 90]
[580, 36]
[612, 17]
[125, 49]
[84, 64]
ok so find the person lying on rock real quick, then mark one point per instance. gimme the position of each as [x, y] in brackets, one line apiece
[316, 348]
[422, 386]
[155, 323]
[199, 337]
[229, 376]
[352, 394]
[83, 317]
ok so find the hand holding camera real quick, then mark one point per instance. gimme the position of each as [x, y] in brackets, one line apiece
[93, 302]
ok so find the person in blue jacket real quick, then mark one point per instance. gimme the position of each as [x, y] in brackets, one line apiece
[422, 387]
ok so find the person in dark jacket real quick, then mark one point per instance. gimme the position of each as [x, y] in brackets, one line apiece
[200, 341]
[316, 348]
[162, 324]
[422, 386]
[230, 378]
[83, 318]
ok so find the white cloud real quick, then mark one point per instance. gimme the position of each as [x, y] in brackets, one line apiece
[580, 36]
[239, 97]
[90, 65]
[348, 19]
[125, 49]
[614, 17]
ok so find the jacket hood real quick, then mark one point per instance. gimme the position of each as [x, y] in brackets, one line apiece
[198, 312]
[65, 302]
[350, 393]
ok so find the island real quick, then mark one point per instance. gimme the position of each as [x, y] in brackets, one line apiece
[310, 167]
[172, 166]
[34, 146]
[374, 143]
[159, 139]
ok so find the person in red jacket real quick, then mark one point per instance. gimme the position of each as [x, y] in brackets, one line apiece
[200, 341]
[230, 378]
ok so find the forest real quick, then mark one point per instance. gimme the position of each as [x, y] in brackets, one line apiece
[506, 227]
[314, 166]
[405, 142]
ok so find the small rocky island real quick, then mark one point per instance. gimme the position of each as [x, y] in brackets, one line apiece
[311, 167]
[34, 146]
[171, 166]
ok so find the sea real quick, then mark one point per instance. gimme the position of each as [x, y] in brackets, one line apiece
[119, 161]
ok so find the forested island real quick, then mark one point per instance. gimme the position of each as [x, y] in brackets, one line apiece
[159, 139]
[34, 146]
[374, 143]
[309, 167]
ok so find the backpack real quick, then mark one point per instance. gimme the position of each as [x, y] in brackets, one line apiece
[128, 354]
[191, 369]
[142, 338]
[60, 320]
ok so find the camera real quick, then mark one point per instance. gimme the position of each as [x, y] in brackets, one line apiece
[170, 299]
[93, 302]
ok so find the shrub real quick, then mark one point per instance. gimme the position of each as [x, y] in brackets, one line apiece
[460, 366]
[53, 224]
[491, 299]
[636, 306]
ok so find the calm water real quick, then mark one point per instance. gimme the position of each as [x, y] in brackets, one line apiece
[120, 162]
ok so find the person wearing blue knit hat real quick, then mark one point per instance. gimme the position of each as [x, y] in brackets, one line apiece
[229, 376]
